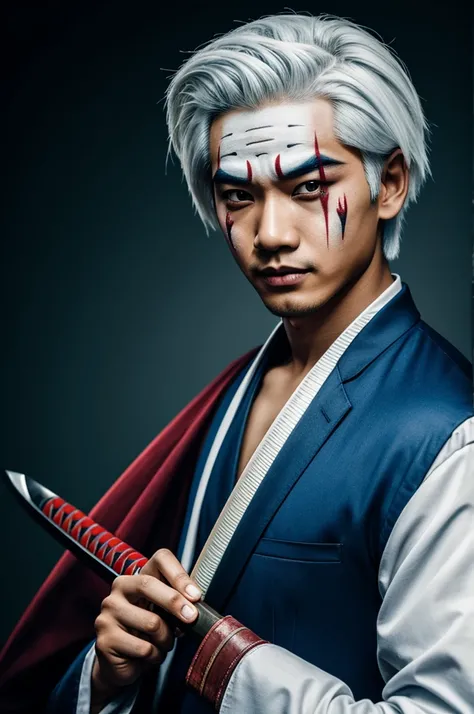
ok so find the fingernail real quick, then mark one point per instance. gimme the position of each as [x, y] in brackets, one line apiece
[193, 591]
[188, 612]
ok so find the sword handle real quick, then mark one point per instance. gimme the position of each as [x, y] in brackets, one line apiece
[108, 555]
[207, 617]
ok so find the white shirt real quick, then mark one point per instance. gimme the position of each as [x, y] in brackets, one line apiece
[425, 626]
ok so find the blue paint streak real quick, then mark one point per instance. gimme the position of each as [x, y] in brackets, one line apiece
[343, 217]
[312, 164]
[223, 177]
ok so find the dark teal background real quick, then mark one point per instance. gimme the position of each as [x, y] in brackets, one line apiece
[117, 307]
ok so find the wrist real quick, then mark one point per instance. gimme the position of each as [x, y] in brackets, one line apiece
[101, 691]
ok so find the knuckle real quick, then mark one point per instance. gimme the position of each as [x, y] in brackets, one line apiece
[163, 631]
[176, 601]
[143, 649]
[101, 644]
[164, 552]
[119, 582]
[99, 623]
[152, 624]
[107, 602]
[161, 553]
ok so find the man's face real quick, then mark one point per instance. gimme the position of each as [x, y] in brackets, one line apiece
[293, 203]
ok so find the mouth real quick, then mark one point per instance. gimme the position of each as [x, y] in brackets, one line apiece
[283, 276]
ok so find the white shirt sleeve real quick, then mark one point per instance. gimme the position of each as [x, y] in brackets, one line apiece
[120, 705]
[425, 626]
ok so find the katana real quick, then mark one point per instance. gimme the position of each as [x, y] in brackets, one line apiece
[99, 549]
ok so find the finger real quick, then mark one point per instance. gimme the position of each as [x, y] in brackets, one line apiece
[140, 621]
[118, 643]
[168, 564]
[151, 568]
[166, 597]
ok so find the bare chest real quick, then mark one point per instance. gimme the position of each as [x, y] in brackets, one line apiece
[264, 411]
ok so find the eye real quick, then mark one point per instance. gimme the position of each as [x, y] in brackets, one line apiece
[235, 195]
[308, 188]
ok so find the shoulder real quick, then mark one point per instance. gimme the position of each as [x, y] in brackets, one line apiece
[415, 396]
[447, 355]
[433, 380]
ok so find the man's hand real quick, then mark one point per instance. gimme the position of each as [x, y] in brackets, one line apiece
[131, 638]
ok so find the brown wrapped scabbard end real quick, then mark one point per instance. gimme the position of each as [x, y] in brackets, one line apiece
[217, 657]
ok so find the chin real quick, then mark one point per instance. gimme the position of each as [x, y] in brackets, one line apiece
[288, 307]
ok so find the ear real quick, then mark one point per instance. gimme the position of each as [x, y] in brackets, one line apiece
[393, 186]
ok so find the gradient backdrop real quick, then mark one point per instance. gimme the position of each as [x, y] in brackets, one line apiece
[118, 307]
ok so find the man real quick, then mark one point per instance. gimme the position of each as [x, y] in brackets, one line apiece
[332, 498]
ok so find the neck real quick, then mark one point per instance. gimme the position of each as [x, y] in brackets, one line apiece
[311, 335]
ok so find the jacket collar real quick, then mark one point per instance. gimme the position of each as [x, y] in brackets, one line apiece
[388, 325]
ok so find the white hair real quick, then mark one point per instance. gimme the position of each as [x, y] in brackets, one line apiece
[298, 57]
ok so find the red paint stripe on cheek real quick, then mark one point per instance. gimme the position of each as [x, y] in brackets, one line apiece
[219, 157]
[249, 171]
[228, 226]
[278, 170]
[324, 191]
[325, 205]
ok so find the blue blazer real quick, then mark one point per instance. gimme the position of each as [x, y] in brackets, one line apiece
[302, 567]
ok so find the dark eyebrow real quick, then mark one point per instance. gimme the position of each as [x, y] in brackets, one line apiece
[223, 177]
[311, 164]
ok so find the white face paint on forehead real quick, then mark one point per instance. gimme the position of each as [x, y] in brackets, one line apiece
[268, 142]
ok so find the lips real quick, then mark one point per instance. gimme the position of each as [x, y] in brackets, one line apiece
[283, 270]
[284, 276]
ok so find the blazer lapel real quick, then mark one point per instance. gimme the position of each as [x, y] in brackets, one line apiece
[321, 418]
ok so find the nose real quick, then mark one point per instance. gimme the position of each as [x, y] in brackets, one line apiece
[275, 229]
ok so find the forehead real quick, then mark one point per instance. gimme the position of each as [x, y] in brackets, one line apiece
[272, 128]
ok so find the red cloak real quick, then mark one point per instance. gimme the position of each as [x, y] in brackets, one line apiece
[145, 508]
